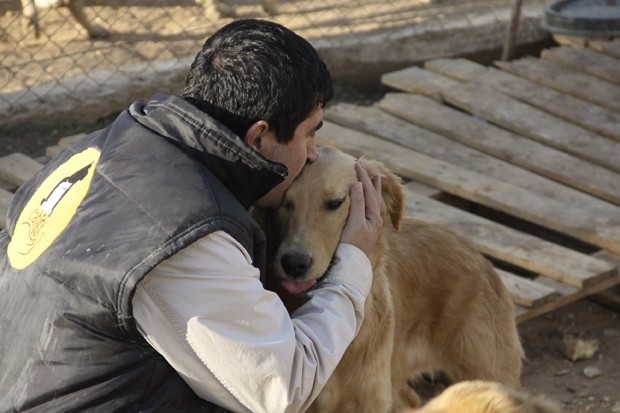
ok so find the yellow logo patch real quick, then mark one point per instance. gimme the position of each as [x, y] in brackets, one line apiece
[51, 208]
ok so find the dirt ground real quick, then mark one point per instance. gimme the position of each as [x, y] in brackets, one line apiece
[589, 385]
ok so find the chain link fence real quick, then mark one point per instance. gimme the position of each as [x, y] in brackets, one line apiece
[124, 48]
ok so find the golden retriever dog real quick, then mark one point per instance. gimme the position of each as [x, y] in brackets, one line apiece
[216, 9]
[30, 13]
[435, 303]
[488, 397]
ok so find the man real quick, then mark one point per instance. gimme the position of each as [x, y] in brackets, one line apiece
[132, 273]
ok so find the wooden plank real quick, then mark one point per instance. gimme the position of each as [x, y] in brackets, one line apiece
[42, 159]
[374, 121]
[423, 189]
[593, 117]
[611, 48]
[526, 120]
[509, 245]
[567, 80]
[586, 60]
[64, 143]
[68, 141]
[567, 296]
[526, 293]
[569, 108]
[17, 168]
[609, 297]
[478, 188]
[9, 186]
[511, 147]
[418, 80]
[608, 256]
[570, 40]
[5, 202]
[460, 68]
[53, 151]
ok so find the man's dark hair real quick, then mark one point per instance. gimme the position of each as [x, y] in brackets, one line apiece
[253, 70]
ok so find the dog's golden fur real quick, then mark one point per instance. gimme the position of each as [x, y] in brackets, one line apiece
[488, 397]
[435, 301]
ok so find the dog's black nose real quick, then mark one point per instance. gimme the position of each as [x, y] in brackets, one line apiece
[295, 264]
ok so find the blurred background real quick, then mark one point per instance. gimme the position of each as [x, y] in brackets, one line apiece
[135, 48]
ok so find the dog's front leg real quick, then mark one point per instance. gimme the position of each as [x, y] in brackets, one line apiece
[77, 10]
[30, 17]
[216, 9]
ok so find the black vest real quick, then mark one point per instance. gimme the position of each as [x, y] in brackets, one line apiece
[68, 340]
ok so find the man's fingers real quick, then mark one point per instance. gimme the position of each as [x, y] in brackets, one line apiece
[357, 199]
[376, 201]
[364, 224]
[376, 182]
[372, 191]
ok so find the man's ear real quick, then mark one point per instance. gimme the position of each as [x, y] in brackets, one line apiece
[254, 135]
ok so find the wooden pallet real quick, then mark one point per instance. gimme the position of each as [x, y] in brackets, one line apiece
[514, 157]
[522, 157]
[17, 168]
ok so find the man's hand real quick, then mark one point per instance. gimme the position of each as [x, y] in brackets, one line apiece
[365, 223]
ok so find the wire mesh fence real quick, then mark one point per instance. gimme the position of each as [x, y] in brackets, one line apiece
[93, 46]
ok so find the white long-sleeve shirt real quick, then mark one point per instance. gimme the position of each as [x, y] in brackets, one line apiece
[233, 342]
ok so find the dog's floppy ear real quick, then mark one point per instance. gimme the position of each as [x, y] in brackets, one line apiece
[391, 190]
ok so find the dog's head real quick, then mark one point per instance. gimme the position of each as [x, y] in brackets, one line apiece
[306, 229]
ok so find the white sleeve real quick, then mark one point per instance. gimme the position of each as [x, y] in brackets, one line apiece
[233, 342]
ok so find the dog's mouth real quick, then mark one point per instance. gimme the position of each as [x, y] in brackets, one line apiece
[299, 287]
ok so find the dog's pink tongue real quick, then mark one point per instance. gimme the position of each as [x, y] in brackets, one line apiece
[297, 287]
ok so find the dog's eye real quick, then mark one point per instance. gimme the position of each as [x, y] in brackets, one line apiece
[333, 204]
[286, 205]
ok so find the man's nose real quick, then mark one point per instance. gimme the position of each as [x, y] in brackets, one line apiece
[312, 153]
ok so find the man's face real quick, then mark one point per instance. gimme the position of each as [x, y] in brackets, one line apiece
[294, 155]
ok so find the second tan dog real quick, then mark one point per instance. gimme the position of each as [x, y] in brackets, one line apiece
[30, 13]
[488, 397]
[435, 302]
[216, 9]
